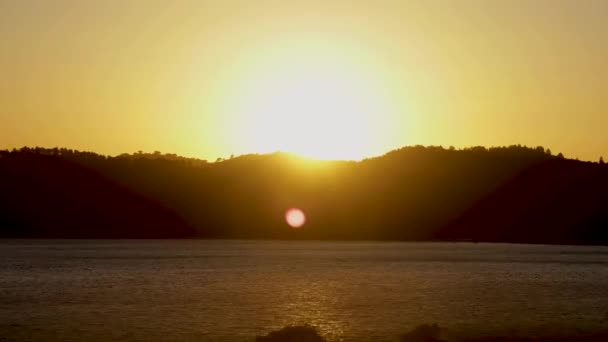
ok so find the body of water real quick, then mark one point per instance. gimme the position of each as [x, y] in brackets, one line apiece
[198, 290]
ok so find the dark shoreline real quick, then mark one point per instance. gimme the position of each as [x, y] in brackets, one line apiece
[563, 243]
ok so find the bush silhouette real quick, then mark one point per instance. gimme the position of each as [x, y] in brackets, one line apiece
[422, 333]
[304, 333]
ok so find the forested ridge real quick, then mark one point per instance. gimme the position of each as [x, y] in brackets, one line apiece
[513, 194]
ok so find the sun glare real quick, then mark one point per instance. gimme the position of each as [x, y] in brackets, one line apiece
[295, 218]
[313, 103]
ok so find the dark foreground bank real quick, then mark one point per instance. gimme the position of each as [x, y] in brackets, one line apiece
[422, 333]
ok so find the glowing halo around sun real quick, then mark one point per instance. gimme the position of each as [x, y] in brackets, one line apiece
[314, 100]
[295, 217]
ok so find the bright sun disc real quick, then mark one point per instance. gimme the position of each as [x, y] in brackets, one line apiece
[295, 218]
[314, 101]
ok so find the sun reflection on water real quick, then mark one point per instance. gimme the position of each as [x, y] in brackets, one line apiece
[313, 303]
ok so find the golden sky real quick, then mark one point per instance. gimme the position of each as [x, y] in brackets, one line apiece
[331, 79]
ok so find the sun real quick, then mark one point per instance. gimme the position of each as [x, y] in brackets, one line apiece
[312, 103]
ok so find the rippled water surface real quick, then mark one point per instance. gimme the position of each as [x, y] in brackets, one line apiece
[196, 290]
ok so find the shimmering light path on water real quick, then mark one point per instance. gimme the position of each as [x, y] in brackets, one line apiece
[194, 290]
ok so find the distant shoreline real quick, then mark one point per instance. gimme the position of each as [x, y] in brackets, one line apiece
[463, 241]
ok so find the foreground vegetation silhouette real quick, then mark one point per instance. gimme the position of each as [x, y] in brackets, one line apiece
[421, 333]
[303, 333]
[510, 194]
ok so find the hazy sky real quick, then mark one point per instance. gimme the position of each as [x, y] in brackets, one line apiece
[331, 78]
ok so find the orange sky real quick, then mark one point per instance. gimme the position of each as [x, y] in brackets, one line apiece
[335, 79]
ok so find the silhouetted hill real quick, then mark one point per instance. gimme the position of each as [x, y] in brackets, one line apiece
[415, 193]
[558, 201]
[46, 196]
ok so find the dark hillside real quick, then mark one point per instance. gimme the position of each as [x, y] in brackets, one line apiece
[415, 193]
[558, 201]
[47, 196]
